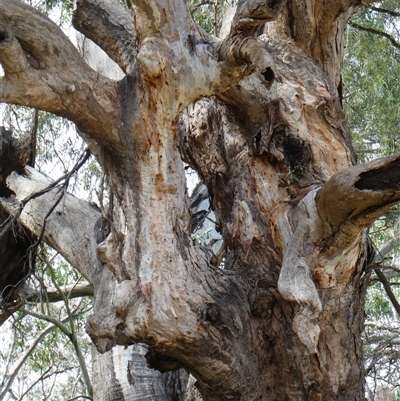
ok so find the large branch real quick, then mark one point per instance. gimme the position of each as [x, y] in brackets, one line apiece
[384, 249]
[168, 18]
[251, 14]
[111, 27]
[44, 70]
[317, 27]
[361, 194]
[327, 239]
[71, 229]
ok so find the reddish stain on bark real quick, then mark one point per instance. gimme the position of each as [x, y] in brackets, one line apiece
[147, 292]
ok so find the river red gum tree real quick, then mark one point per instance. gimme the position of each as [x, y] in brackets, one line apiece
[259, 118]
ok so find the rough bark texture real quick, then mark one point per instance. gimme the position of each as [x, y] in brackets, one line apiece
[260, 121]
[15, 263]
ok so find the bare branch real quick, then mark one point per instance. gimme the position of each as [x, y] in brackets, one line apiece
[384, 249]
[73, 337]
[391, 39]
[52, 294]
[71, 228]
[58, 323]
[55, 295]
[111, 27]
[388, 290]
[43, 70]
[43, 376]
[70, 333]
[385, 11]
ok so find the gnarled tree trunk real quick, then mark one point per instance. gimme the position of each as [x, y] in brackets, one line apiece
[260, 120]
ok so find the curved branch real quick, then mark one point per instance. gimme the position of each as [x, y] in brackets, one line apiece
[241, 48]
[111, 27]
[391, 39]
[22, 359]
[362, 194]
[43, 70]
[70, 229]
[251, 14]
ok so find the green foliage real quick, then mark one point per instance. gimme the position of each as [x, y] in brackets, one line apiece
[377, 304]
[59, 10]
[371, 85]
[203, 236]
[52, 370]
[208, 14]
[372, 106]
[54, 360]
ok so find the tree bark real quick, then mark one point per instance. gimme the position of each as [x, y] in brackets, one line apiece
[261, 123]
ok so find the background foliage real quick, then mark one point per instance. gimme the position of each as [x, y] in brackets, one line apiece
[371, 99]
[372, 104]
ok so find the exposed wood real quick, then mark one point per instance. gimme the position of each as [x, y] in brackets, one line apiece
[263, 126]
[70, 229]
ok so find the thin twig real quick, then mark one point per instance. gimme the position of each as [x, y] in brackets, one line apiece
[72, 334]
[391, 39]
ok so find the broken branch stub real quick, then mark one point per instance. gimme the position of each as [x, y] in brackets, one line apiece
[362, 193]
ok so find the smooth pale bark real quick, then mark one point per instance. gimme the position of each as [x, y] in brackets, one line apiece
[70, 229]
[282, 320]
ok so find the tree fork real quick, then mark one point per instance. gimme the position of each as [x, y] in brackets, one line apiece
[271, 324]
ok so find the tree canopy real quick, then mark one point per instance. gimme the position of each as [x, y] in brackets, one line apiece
[368, 89]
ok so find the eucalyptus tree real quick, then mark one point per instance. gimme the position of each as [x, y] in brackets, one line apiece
[258, 116]
[371, 91]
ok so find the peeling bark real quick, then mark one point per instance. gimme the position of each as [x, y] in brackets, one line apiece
[260, 120]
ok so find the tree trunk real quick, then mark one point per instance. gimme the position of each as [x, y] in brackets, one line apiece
[261, 122]
[127, 378]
